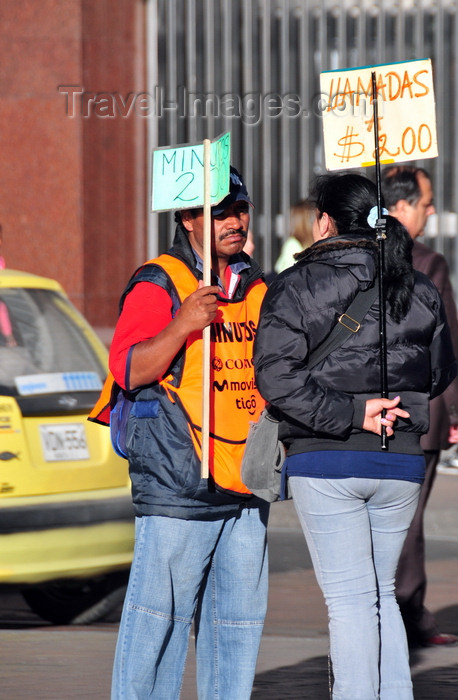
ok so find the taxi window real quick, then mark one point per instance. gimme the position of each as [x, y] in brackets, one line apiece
[39, 336]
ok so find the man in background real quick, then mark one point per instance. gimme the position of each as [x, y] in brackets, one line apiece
[408, 195]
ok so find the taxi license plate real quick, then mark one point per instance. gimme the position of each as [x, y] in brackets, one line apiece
[64, 442]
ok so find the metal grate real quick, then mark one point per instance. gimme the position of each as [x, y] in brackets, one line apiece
[252, 67]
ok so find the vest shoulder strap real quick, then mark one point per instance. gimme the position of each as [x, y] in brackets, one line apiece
[162, 271]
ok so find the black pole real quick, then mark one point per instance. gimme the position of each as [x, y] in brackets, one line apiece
[380, 230]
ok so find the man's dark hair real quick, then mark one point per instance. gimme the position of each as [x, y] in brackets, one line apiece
[193, 212]
[401, 182]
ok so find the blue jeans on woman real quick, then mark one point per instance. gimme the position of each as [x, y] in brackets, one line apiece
[355, 529]
[211, 572]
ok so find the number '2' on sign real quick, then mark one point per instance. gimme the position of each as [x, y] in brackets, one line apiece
[178, 175]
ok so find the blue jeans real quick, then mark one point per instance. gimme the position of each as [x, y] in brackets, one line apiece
[212, 572]
[355, 529]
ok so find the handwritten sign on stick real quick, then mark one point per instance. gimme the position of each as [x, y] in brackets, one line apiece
[178, 175]
[406, 114]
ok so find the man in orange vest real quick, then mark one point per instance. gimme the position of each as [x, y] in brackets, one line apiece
[200, 552]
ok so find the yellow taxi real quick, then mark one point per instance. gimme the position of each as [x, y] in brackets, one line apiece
[66, 516]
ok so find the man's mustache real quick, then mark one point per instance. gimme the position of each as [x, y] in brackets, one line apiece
[232, 231]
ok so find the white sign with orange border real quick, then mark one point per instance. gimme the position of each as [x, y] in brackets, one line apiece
[406, 114]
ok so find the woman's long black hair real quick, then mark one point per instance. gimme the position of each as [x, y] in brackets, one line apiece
[348, 198]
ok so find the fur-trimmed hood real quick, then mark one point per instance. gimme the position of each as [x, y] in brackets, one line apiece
[336, 244]
[359, 255]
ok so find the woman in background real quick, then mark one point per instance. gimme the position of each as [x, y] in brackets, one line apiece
[301, 221]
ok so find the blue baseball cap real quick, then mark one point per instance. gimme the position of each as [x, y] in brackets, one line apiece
[237, 193]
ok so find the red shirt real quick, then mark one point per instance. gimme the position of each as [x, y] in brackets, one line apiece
[146, 312]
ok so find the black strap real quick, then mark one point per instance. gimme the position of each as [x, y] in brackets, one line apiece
[347, 324]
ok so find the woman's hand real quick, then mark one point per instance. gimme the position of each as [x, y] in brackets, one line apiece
[373, 420]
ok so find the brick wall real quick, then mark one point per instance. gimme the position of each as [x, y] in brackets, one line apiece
[72, 198]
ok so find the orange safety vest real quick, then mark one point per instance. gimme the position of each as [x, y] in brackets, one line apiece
[234, 397]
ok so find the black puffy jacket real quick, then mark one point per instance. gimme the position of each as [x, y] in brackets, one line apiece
[323, 408]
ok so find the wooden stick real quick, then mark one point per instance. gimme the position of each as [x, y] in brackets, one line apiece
[204, 470]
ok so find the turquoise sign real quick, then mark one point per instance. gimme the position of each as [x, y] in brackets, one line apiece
[178, 175]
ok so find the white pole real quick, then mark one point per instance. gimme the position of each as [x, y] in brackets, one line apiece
[206, 332]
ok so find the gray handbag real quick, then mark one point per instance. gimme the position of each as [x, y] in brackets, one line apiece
[264, 453]
[263, 458]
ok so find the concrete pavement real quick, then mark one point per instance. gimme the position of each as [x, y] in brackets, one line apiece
[52, 663]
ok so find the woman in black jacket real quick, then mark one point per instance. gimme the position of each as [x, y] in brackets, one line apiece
[355, 501]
